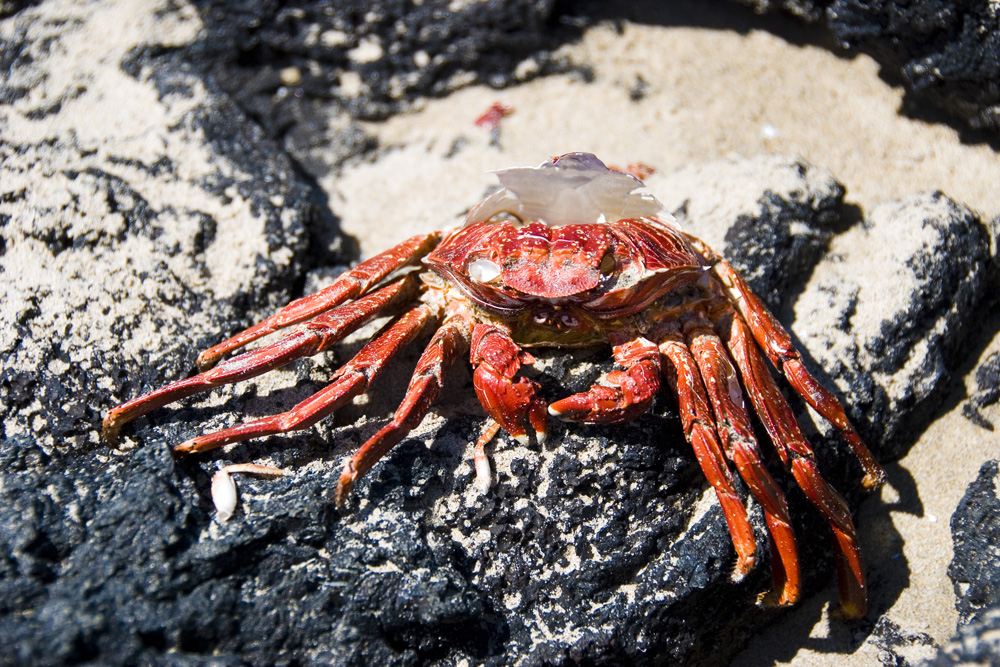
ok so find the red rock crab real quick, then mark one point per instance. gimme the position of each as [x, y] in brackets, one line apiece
[568, 254]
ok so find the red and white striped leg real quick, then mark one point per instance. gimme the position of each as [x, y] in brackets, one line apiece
[736, 432]
[352, 379]
[780, 423]
[347, 285]
[777, 344]
[447, 344]
[681, 372]
[481, 460]
[306, 340]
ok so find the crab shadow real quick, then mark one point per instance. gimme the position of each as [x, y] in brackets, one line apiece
[888, 572]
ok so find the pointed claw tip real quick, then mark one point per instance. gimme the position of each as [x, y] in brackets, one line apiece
[110, 429]
[568, 411]
[344, 488]
[743, 567]
[206, 360]
[776, 599]
[873, 480]
[849, 610]
[340, 500]
[541, 437]
[522, 439]
[186, 447]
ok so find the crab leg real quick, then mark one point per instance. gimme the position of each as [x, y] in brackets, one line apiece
[448, 342]
[352, 379]
[224, 495]
[682, 373]
[310, 338]
[621, 394]
[736, 432]
[780, 423]
[777, 344]
[347, 285]
[481, 460]
[497, 359]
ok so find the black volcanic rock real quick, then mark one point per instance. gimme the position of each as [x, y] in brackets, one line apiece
[131, 240]
[975, 528]
[892, 355]
[975, 574]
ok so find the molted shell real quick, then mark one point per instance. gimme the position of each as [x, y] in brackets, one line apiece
[576, 188]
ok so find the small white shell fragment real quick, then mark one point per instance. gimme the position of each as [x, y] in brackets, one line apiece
[484, 271]
[224, 494]
[576, 188]
[484, 476]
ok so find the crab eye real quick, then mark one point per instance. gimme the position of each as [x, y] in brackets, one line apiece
[570, 321]
[608, 265]
[484, 271]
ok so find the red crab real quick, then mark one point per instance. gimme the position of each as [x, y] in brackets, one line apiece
[569, 254]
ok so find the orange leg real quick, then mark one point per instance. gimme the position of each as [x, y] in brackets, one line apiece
[448, 342]
[512, 404]
[308, 339]
[350, 380]
[682, 373]
[347, 285]
[620, 395]
[733, 424]
[779, 421]
[777, 344]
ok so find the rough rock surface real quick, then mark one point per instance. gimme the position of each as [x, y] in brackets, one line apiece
[123, 232]
[131, 240]
[973, 571]
[773, 216]
[976, 529]
[975, 644]
[891, 356]
[289, 65]
[987, 390]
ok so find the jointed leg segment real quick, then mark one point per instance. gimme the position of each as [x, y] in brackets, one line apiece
[777, 344]
[684, 378]
[349, 381]
[736, 433]
[347, 286]
[446, 345]
[794, 451]
[308, 339]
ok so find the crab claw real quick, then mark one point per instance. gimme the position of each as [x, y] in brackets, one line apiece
[621, 394]
[511, 403]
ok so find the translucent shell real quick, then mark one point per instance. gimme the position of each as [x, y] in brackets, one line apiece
[576, 188]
